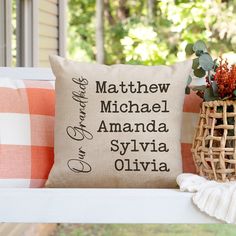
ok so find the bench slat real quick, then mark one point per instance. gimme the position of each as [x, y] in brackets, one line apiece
[99, 206]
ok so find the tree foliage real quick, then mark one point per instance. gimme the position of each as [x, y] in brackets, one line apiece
[134, 36]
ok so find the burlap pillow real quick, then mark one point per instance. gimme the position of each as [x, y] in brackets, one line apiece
[117, 126]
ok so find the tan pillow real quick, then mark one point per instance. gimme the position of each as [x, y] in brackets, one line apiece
[117, 126]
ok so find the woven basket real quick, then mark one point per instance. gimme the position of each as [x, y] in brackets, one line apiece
[214, 144]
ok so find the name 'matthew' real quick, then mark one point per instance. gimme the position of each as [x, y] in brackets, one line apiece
[131, 87]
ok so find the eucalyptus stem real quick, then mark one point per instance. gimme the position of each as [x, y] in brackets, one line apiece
[209, 77]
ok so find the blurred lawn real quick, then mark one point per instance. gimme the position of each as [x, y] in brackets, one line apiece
[145, 229]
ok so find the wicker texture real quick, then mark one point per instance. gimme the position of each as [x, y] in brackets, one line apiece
[214, 144]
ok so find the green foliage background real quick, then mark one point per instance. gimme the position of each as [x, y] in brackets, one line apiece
[132, 36]
[147, 229]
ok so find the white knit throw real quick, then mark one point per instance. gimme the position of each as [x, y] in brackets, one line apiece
[215, 199]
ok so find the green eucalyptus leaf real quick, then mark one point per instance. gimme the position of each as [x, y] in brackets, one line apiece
[189, 81]
[199, 46]
[209, 94]
[234, 92]
[195, 64]
[198, 53]
[187, 90]
[206, 62]
[199, 88]
[212, 77]
[215, 88]
[215, 62]
[189, 49]
[199, 72]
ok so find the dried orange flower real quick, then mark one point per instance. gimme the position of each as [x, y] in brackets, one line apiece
[225, 78]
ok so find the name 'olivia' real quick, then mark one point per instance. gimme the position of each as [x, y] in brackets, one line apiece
[131, 87]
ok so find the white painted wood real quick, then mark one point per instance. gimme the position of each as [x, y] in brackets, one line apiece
[5, 32]
[2, 33]
[14, 183]
[48, 18]
[48, 30]
[8, 35]
[48, 43]
[48, 6]
[25, 205]
[35, 33]
[100, 53]
[62, 5]
[45, 63]
[53, 1]
[27, 33]
[26, 73]
[44, 54]
[99, 206]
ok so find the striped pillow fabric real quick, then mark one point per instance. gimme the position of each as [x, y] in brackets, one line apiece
[27, 109]
[191, 109]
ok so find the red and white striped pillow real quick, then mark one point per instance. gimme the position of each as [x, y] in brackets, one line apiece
[27, 111]
[191, 108]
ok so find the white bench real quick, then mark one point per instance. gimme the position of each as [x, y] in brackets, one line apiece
[93, 205]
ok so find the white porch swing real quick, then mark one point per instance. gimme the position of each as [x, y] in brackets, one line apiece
[28, 205]
[25, 205]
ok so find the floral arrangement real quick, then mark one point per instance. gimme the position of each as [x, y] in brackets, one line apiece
[220, 76]
[214, 141]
